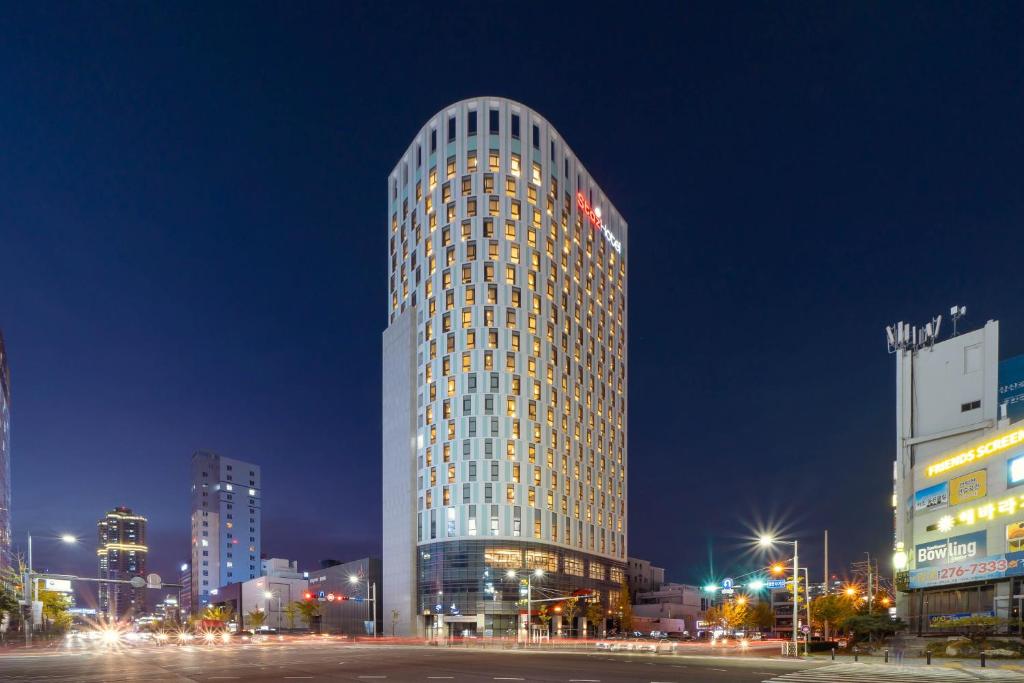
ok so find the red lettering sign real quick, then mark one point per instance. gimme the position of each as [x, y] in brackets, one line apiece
[588, 211]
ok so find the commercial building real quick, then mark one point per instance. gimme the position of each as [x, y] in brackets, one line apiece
[121, 553]
[958, 496]
[281, 568]
[643, 577]
[225, 519]
[674, 608]
[5, 457]
[504, 378]
[346, 592]
[168, 610]
[185, 592]
[268, 594]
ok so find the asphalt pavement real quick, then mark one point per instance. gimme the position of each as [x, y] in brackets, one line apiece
[339, 661]
[334, 660]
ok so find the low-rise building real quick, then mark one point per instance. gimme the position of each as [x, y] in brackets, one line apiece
[665, 608]
[268, 594]
[643, 577]
[346, 592]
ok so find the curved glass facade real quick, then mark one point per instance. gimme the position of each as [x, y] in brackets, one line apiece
[508, 264]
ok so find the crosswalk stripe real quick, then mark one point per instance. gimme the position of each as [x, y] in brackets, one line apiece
[876, 673]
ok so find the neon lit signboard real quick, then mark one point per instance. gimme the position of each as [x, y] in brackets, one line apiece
[982, 513]
[587, 210]
[977, 453]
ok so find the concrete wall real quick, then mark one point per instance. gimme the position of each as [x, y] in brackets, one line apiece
[399, 474]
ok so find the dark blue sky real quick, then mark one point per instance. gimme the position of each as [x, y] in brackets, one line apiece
[193, 241]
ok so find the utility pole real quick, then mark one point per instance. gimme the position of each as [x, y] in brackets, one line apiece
[826, 561]
[871, 598]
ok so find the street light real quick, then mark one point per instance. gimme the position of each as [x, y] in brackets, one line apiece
[767, 542]
[270, 595]
[511, 573]
[354, 580]
[31, 589]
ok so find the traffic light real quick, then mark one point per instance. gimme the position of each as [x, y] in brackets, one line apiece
[777, 568]
[307, 596]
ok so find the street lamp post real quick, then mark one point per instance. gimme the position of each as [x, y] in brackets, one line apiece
[354, 579]
[767, 541]
[31, 592]
[529, 597]
[268, 595]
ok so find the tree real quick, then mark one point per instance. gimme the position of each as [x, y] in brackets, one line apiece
[760, 617]
[872, 625]
[544, 617]
[831, 610]
[291, 610]
[977, 629]
[55, 609]
[219, 613]
[728, 615]
[395, 614]
[256, 618]
[570, 608]
[309, 610]
[595, 614]
[625, 608]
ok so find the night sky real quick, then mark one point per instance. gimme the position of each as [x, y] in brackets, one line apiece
[193, 230]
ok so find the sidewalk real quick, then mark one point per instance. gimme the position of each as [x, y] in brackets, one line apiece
[937, 662]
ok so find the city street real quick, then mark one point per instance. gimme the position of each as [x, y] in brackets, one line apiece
[312, 660]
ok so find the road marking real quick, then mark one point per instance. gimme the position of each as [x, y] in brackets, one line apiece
[298, 677]
[440, 676]
[714, 669]
[499, 678]
[372, 676]
[213, 678]
[584, 680]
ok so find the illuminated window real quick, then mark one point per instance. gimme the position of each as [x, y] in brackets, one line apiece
[515, 164]
[572, 565]
[504, 558]
[493, 160]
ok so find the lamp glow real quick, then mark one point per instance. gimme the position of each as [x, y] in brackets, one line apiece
[756, 585]
[68, 538]
[766, 541]
[899, 559]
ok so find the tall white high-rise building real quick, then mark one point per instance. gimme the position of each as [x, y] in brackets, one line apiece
[504, 379]
[226, 502]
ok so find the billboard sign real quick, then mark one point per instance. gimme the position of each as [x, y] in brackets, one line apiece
[58, 585]
[968, 487]
[932, 498]
[1015, 471]
[951, 550]
[1011, 386]
[983, 569]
